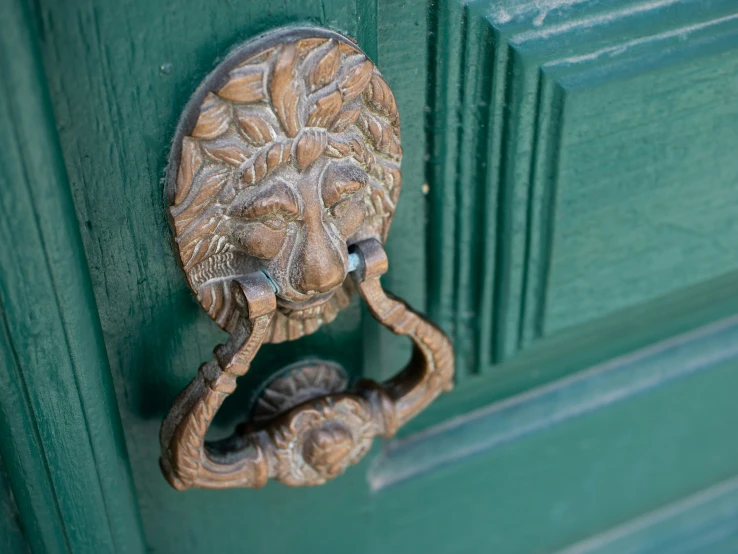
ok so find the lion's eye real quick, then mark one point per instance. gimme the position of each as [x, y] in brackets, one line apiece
[340, 209]
[275, 222]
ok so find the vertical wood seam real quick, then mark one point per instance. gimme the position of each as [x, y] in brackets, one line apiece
[535, 150]
[548, 216]
[487, 199]
[504, 192]
[459, 332]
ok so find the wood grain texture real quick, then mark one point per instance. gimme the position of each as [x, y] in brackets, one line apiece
[574, 350]
[11, 532]
[587, 391]
[62, 444]
[567, 462]
[512, 86]
[592, 194]
[702, 522]
[120, 74]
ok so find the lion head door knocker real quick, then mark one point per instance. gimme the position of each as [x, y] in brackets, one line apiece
[283, 180]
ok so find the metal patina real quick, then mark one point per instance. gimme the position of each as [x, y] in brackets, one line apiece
[283, 181]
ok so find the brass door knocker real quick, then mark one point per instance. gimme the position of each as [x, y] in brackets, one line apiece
[283, 180]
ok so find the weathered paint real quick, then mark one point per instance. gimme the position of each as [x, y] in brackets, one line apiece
[569, 205]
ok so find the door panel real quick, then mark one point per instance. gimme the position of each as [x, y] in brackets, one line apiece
[570, 182]
[120, 75]
[567, 215]
[545, 469]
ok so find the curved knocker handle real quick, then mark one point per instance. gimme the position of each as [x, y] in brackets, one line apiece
[317, 439]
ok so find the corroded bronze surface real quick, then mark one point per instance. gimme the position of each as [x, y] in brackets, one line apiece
[290, 150]
[284, 175]
[319, 437]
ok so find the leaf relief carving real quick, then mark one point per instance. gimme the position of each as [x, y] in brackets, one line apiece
[381, 133]
[211, 181]
[255, 127]
[389, 173]
[190, 162]
[307, 45]
[324, 70]
[227, 150]
[355, 81]
[215, 116]
[246, 84]
[346, 117]
[337, 147]
[348, 50]
[310, 145]
[284, 90]
[379, 96]
[325, 111]
[265, 161]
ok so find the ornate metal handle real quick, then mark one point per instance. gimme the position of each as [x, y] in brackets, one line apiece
[283, 180]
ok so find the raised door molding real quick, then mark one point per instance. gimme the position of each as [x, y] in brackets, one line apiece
[568, 183]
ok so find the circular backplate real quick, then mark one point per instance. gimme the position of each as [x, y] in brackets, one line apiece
[296, 384]
[287, 152]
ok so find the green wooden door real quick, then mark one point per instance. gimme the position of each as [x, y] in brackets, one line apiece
[569, 216]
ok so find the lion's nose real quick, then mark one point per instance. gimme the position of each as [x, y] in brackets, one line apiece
[318, 266]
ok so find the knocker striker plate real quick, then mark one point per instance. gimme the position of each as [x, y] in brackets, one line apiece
[286, 159]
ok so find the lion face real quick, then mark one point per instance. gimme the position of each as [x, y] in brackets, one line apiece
[292, 157]
[298, 225]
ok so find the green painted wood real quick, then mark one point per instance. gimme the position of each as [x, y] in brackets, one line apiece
[530, 412]
[62, 443]
[540, 64]
[568, 462]
[534, 126]
[572, 351]
[703, 522]
[120, 74]
[11, 533]
[592, 195]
